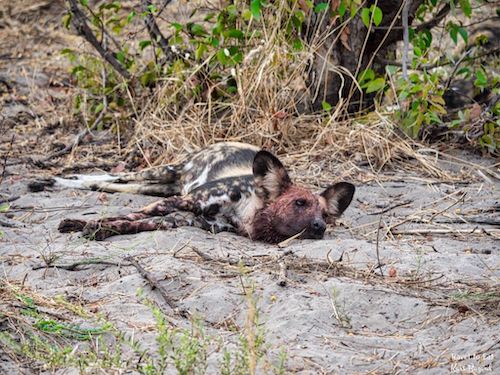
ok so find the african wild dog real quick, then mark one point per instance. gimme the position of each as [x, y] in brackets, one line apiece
[226, 187]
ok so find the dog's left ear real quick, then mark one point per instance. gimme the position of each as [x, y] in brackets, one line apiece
[270, 176]
[338, 197]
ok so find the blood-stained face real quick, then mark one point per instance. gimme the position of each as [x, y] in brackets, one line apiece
[297, 210]
[290, 209]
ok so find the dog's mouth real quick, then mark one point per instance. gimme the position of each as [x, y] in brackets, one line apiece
[311, 232]
[313, 235]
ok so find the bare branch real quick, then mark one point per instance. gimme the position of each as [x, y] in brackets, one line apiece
[424, 25]
[76, 142]
[443, 62]
[154, 31]
[433, 22]
[80, 23]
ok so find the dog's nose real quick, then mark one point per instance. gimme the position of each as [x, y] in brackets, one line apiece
[318, 226]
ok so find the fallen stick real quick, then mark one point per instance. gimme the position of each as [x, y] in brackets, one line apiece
[490, 232]
[9, 224]
[75, 265]
[153, 282]
[412, 217]
[76, 142]
[9, 199]
[459, 200]
[230, 261]
[377, 247]
[469, 220]
[385, 210]
[287, 242]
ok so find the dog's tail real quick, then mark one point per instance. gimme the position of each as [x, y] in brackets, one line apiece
[160, 181]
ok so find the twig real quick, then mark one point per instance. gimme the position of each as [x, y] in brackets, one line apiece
[9, 199]
[377, 247]
[442, 62]
[448, 207]
[75, 265]
[424, 25]
[286, 242]
[97, 121]
[78, 139]
[455, 69]
[415, 282]
[477, 231]
[488, 348]
[153, 282]
[434, 21]
[5, 157]
[80, 23]
[104, 32]
[230, 261]
[182, 247]
[469, 220]
[33, 209]
[154, 30]
[8, 224]
[405, 203]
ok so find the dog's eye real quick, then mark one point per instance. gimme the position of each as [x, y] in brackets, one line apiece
[300, 202]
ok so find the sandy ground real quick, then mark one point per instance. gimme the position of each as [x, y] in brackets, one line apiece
[435, 310]
[431, 307]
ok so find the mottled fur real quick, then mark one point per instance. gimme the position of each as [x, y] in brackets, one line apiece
[226, 187]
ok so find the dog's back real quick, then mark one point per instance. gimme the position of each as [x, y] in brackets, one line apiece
[218, 162]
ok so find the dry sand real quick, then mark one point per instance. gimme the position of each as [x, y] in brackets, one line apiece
[436, 310]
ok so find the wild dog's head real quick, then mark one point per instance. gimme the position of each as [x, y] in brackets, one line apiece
[289, 209]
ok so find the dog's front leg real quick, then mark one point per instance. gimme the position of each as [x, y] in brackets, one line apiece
[163, 214]
[100, 230]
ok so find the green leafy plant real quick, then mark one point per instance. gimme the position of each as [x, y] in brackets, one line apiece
[421, 97]
[421, 102]
[370, 15]
[371, 82]
[185, 349]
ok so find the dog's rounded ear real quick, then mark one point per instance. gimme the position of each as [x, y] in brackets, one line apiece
[338, 197]
[271, 177]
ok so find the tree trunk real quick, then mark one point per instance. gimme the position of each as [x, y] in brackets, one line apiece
[342, 51]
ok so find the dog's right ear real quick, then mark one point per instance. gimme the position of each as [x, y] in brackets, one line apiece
[338, 197]
[270, 176]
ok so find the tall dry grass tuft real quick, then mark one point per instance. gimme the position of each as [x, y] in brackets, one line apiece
[268, 110]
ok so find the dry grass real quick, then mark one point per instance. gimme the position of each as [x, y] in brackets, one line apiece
[268, 111]
[263, 113]
[169, 122]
